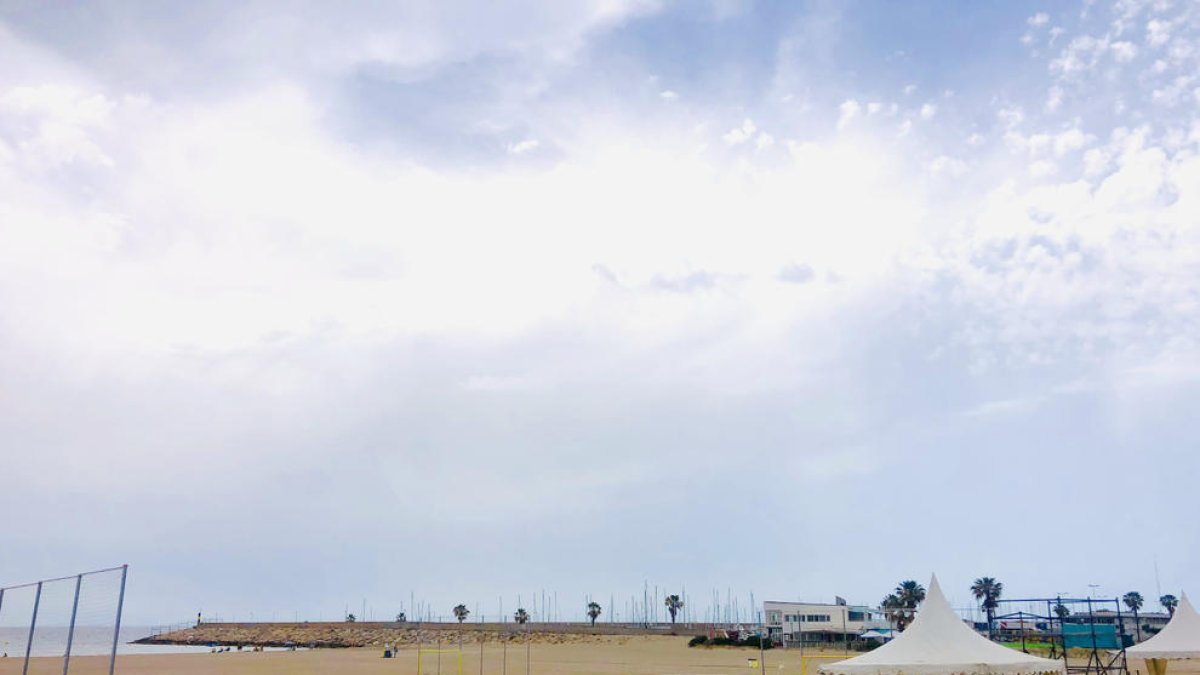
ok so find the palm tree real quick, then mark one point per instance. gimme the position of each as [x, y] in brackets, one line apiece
[901, 604]
[461, 612]
[350, 618]
[593, 611]
[521, 616]
[674, 604]
[910, 594]
[1061, 611]
[894, 610]
[987, 590]
[1170, 602]
[1133, 600]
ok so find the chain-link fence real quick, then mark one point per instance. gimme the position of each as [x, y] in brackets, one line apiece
[64, 625]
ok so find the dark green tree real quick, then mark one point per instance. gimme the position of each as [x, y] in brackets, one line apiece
[987, 591]
[901, 604]
[461, 612]
[1170, 602]
[674, 604]
[1134, 601]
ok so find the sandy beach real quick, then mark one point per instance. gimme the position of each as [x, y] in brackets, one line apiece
[640, 656]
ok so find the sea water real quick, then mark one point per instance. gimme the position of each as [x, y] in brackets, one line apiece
[88, 641]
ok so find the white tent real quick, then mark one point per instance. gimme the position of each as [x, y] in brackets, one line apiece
[939, 643]
[1179, 640]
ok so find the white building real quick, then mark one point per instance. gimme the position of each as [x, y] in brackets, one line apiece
[813, 622]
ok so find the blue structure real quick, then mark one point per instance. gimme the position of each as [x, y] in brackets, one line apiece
[1080, 636]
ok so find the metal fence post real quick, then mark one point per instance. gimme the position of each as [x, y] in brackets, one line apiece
[37, 600]
[112, 662]
[71, 629]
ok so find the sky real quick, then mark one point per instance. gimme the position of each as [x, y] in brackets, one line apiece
[306, 307]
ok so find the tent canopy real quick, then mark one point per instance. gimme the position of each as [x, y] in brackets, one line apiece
[939, 643]
[1180, 639]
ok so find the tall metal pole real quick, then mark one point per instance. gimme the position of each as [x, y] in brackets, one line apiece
[845, 635]
[71, 630]
[1121, 635]
[800, 628]
[112, 662]
[1062, 629]
[37, 600]
[762, 654]
[1095, 650]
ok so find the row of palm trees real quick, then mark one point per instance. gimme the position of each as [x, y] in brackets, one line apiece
[672, 602]
[901, 604]
[1134, 601]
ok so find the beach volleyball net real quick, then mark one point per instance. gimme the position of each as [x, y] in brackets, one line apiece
[439, 662]
[64, 625]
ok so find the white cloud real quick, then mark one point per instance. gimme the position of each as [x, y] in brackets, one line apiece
[1054, 99]
[1039, 19]
[943, 165]
[1082, 54]
[1042, 168]
[1070, 140]
[1010, 117]
[1056, 144]
[928, 111]
[1158, 33]
[1124, 52]
[1095, 162]
[238, 247]
[741, 134]
[1174, 92]
[668, 95]
[523, 146]
[848, 111]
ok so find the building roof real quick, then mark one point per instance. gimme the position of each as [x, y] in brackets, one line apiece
[939, 643]
[1180, 639]
[816, 604]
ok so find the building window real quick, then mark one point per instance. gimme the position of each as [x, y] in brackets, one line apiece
[816, 618]
[857, 616]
